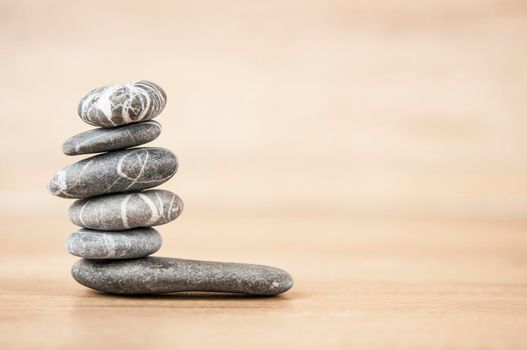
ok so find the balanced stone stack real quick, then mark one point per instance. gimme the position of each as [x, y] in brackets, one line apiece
[116, 212]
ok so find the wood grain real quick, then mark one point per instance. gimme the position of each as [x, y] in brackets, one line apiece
[370, 284]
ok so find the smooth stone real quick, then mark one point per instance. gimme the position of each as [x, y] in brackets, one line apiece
[110, 139]
[123, 211]
[122, 104]
[155, 275]
[119, 171]
[128, 244]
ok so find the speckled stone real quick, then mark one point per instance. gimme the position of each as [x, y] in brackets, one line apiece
[155, 275]
[123, 211]
[122, 104]
[128, 244]
[118, 171]
[111, 139]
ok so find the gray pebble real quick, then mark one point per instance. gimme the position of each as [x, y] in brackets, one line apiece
[123, 211]
[155, 275]
[126, 170]
[122, 104]
[128, 244]
[110, 139]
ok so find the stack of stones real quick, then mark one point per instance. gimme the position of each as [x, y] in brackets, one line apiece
[116, 212]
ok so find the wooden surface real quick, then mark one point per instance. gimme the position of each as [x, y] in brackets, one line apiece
[368, 284]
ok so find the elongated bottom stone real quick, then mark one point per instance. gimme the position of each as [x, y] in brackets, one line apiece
[155, 275]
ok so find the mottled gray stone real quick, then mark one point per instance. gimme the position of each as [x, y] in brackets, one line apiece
[111, 139]
[128, 244]
[123, 211]
[118, 171]
[122, 104]
[155, 275]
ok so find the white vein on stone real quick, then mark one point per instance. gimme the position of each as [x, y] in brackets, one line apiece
[137, 100]
[81, 212]
[60, 182]
[156, 212]
[124, 214]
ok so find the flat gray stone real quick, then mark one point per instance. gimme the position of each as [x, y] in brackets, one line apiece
[111, 139]
[119, 171]
[128, 244]
[122, 104]
[155, 275]
[123, 211]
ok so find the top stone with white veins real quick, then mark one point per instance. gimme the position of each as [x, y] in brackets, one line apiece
[122, 104]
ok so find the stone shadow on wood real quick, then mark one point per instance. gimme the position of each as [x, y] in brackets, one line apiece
[188, 296]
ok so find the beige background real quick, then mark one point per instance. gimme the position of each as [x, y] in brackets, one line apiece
[320, 107]
[375, 149]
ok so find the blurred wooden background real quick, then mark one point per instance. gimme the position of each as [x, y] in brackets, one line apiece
[321, 107]
[376, 149]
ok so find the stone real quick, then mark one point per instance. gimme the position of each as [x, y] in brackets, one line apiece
[122, 104]
[119, 171]
[111, 139]
[128, 244]
[156, 275]
[124, 211]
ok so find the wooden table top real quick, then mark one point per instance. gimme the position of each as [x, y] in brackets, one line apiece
[369, 284]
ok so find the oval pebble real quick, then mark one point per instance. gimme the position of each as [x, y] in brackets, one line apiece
[119, 171]
[155, 275]
[110, 139]
[122, 104]
[123, 211]
[128, 244]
